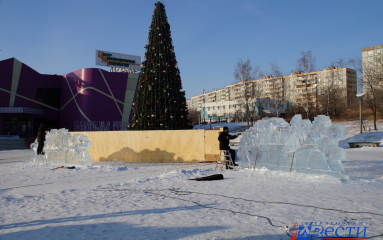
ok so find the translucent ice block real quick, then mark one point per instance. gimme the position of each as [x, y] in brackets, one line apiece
[313, 145]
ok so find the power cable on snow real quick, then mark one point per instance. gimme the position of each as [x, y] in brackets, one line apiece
[176, 191]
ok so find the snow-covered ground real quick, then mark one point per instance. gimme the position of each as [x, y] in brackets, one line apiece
[115, 200]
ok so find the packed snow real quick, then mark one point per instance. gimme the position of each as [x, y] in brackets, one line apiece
[118, 200]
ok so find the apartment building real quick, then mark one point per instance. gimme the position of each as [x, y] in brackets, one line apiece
[372, 58]
[298, 87]
[305, 88]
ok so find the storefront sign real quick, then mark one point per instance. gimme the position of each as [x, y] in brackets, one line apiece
[119, 60]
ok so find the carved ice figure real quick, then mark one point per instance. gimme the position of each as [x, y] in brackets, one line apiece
[337, 131]
[50, 138]
[60, 146]
[300, 146]
[34, 147]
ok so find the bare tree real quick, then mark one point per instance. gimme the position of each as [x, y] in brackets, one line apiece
[242, 74]
[306, 64]
[257, 72]
[295, 109]
[341, 63]
[371, 82]
[332, 100]
[277, 84]
[194, 115]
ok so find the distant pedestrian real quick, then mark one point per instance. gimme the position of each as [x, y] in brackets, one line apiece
[224, 140]
[41, 139]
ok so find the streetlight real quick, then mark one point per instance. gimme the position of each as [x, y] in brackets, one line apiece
[203, 94]
[360, 98]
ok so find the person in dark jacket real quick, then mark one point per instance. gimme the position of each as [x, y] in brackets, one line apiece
[41, 139]
[224, 140]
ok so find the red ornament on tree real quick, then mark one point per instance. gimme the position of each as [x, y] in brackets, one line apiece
[152, 124]
[162, 116]
[143, 116]
[147, 102]
[164, 64]
[165, 83]
[158, 101]
[146, 79]
[154, 40]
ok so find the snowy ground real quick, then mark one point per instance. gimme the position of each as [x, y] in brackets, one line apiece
[115, 200]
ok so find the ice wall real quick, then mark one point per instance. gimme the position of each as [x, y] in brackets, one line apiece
[301, 146]
[60, 146]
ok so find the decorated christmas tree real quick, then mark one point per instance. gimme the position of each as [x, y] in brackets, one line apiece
[159, 103]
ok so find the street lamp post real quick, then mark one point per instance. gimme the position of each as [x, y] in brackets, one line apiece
[360, 98]
[203, 94]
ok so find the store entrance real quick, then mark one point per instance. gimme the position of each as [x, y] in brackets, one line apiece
[21, 126]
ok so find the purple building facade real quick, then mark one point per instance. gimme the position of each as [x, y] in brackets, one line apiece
[86, 99]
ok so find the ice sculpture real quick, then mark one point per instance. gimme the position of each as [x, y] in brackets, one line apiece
[300, 146]
[62, 147]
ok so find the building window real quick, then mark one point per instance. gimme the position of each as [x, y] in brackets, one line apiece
[378, 50]
[213, 108]
[49, 96]
[370, 52]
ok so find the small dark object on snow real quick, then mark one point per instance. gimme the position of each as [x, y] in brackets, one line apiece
[62, 167]
[209, 178]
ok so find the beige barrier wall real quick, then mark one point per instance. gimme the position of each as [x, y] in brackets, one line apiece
[154, 146]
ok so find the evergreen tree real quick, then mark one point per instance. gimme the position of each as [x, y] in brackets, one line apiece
[159, 103]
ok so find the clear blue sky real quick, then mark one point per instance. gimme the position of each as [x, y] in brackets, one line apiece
[209, 37]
